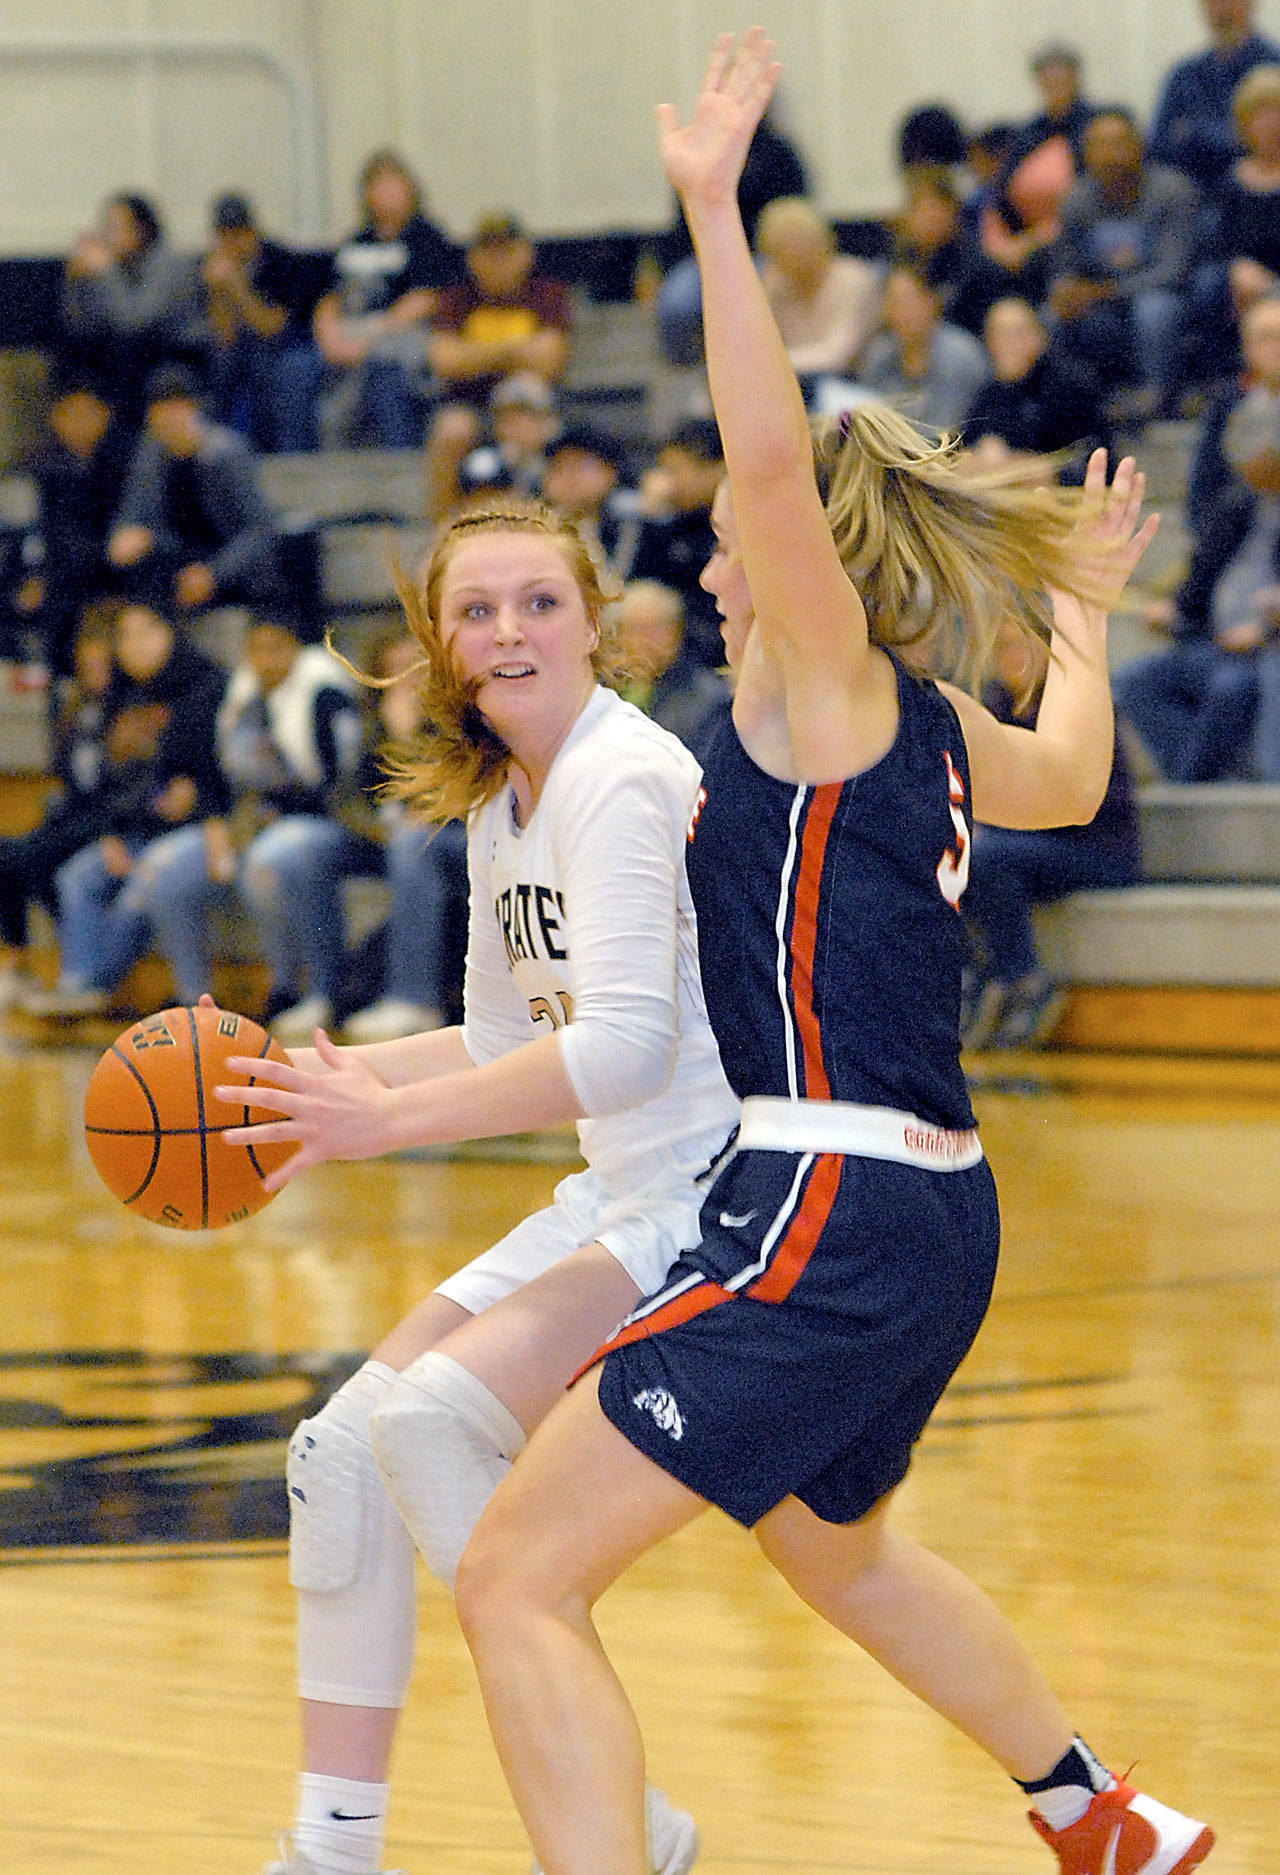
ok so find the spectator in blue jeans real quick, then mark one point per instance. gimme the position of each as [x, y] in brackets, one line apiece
[288, 733]
[423, 940]
[157, 773]
[1208, 705]
[1010, 1000]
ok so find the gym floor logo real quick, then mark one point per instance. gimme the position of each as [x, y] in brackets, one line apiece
[120, 1455]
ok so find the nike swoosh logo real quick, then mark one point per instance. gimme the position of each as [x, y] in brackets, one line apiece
[345, 1816]
[1109, 1859]
[729, 1222]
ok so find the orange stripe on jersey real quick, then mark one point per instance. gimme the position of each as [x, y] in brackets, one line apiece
[681, 1308]
[804, 936]
[789, 1261]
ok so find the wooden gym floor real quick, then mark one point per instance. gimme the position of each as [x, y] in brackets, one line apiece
[1107, 1465]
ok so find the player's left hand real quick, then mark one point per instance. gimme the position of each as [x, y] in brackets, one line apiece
[342, 1112]
[1111, 540]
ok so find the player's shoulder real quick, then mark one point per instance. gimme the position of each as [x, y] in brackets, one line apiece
[614, 739]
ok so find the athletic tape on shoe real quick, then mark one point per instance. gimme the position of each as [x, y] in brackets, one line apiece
[329, 1474]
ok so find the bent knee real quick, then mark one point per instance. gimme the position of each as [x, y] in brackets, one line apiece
[490, 1587]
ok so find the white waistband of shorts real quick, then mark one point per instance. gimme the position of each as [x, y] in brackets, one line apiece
[775, 1125]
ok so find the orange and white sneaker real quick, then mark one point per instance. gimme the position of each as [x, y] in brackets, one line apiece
[1124, 1833]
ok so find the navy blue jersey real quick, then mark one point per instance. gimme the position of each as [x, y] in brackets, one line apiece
[829, 933]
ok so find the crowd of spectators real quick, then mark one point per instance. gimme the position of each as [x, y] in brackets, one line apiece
[1039, 287]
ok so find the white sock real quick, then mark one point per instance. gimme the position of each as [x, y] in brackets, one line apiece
[341, 1824]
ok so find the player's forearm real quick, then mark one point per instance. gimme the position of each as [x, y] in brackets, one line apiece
[521, 1092]
[1076, 715]
[422, 1057]
[753, 386]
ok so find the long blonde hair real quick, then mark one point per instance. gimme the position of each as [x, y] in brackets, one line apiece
[942, 552]
[457, 761]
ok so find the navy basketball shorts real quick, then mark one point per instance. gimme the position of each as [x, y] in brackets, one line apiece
[801, 1348]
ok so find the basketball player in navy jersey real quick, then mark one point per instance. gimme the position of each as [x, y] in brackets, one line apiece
[787, 1366]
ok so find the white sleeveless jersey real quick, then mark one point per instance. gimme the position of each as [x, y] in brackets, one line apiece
[572, 931]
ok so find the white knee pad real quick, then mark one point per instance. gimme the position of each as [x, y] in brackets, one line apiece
[332, 1480]
[350, 1556]
[443, 1444]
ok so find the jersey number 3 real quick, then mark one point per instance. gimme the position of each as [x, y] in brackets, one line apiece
[953, 867]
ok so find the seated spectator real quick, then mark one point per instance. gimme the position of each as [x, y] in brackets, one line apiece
[421, 949]
[1035, 402]
[524, 420]
[1210, 473]
[826, 304]
[1213, 696]
[503, 317]
[1192, 129]
[193, 528]
[1241, 256]
[79, 472]
[667, 682]
[1122, 266]
[1010, 1000]
[257, 310]
[931, 235]
[932, 369]
[985, 160]
[74, 810]
[158, 772]
[1022, 217]
[367, 378]
[130, 302]
[773, 168]
[287, 736]
[676, 537]
[584, 479]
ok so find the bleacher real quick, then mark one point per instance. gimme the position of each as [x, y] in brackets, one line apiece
[1189, 959]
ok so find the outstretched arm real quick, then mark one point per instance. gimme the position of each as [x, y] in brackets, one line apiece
[804, 603]
[1056, 774]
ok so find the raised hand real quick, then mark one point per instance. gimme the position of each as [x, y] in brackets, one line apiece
[704, 158]
[1112, 541]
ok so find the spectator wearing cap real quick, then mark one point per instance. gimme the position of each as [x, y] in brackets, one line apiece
[130, 301]
[1209, 704]
[524, 420]
[366, 378]
[501, 318]
[676, 536]
[193, 528]
[256, 309]
[584, 478]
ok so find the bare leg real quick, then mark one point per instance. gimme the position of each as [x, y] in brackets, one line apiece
[525, 1349]
[581, 1505]
[928, 1625]
[528, 1347]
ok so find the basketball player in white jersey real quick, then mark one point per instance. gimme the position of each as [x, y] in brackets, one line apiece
[583, 1002]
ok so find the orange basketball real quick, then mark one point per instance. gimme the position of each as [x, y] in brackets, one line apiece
[153, 1124]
